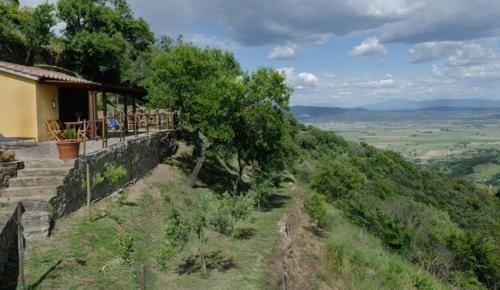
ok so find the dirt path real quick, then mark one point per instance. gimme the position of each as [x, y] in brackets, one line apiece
[299, 256]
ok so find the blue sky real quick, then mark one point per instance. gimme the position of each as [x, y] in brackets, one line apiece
[349, 52]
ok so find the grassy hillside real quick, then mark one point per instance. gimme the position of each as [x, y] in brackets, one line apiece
[358, 260]
[379, 222]
[128, 230]
[445, 225]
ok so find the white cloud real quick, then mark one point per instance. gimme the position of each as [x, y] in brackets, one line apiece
[445, 20]
[308, 79]
[458, 53]
[300, 81]
[369, 46]
[262, 22]
[204, 40]
[282, 52]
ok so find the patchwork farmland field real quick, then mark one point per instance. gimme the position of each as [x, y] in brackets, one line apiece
[438, 144]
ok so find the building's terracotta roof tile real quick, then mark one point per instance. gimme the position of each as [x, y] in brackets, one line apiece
[39, 74]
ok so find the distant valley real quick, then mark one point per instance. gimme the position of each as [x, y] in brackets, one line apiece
[462, 141]
[309, 114]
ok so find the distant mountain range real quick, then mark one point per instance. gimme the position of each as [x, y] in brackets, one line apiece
[310, 114]
[415, 105]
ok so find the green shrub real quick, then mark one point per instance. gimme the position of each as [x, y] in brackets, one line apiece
[315, 206]
[125, 249]
[175, 236]
[337, 180]
[115, 174]
[261, 190]
[232, 209]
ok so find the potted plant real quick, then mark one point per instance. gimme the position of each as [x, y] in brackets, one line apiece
[7, 156]
[69, 147]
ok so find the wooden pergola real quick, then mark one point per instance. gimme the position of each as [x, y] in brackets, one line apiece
[131, 94]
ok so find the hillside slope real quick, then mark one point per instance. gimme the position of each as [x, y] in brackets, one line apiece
[127, 231]
[445, 225]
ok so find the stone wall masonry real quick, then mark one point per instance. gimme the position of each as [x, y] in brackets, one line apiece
[138, 157]
[8, 248]
[8, 171]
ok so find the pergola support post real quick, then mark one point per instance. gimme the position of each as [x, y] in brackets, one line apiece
[104, 120]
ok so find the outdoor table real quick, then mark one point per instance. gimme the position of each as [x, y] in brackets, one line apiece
[78, 126]
[75, 125]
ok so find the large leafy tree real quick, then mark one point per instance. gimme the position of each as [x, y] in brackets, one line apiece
[102, 37]
[201, 83]
[263, 128]
[26, 34]
[228, 111]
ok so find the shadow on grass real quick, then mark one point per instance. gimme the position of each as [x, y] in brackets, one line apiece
[214, 260]
[245, 233]
[215, 176]
[273, 202]
[44, 276]
[316, 231]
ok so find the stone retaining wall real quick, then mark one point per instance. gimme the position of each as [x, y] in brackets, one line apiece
[138, 157]
[8, 171]
[9, 259]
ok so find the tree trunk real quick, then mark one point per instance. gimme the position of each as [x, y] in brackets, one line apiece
[198, 151]
[196, 171]
[241, 167]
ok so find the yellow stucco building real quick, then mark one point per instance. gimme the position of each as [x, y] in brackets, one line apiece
[30, 96]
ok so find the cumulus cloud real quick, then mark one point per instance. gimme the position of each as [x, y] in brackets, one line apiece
[442, 81]
[445, 20]
[369, 46]
[458, 53]
[307, 79]
[266, 22]
[300, 81]
[282, 52]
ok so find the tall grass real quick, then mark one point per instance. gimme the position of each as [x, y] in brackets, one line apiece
[358, 260]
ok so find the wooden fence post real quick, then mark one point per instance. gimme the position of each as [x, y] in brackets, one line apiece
[122, 127]
[20, 244]
[84, 137]
[88, 190]
[135, 125]
[143, 277]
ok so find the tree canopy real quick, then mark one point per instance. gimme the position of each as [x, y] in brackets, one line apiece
[26, 33]
[230, 110]
[102, 37]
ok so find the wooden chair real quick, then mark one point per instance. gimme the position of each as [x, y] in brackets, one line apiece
[84, 135]
[56, 130]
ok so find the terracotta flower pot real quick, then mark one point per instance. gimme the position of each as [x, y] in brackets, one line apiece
[68, 149]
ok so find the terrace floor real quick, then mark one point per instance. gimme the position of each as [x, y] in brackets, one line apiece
[48, 149]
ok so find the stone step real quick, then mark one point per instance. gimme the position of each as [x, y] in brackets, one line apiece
[36, 181]
[30, 172]
[39, 202]
[27, 192]
[48, 163]
[36, 224]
